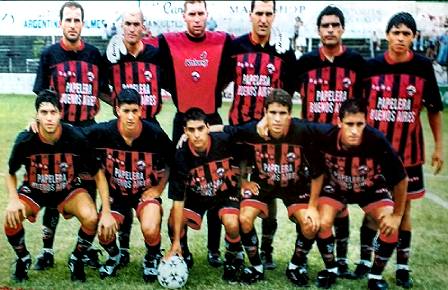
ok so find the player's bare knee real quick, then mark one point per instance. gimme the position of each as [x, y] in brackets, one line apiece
[246, 223]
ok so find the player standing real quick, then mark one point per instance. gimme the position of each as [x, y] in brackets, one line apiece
[399, 84]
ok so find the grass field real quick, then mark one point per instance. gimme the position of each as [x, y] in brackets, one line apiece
[429, 259]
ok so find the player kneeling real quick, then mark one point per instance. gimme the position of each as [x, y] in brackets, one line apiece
[136, 155]
[360, 168]
[204, 179]
[53, 160]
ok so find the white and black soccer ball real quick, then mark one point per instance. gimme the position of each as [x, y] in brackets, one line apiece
[173, 273]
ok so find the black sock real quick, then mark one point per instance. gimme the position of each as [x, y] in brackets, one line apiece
[213, 230]
[50, 221]
[153, 250]
[17, 241]
[268, 228]
[342, 233]
[125, 229]
[383, 251]
[250, 243]
[111, 248]
[367, 236]
[403, 247]
[326, 249]
[83, 243]
[302, 248]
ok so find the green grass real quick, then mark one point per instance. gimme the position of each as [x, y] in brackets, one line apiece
[429, 259]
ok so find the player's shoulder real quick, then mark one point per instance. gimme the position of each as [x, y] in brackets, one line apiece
[24, 137]
[373, 136]
[72, 132]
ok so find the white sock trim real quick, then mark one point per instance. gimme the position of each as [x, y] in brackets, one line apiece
[365, 263]
[402, 267]
[376, 277]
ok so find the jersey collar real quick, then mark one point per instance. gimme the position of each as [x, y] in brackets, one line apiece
[135, 135]
[196, 154]
[389, 59]
[57, 134]
[64, 47]
[342, 49]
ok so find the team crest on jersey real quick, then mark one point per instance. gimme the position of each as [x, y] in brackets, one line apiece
[291, 156]
[148, 75]
[63, 167]
[195, 76]
[220, 172]
[411, 90]
[271, 68]
[363, 170]
[141, 165]
[329, 189]
[90, 76]
[346, 82]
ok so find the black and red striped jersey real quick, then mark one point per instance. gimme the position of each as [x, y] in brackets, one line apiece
[208, 174]
[373, 165]
[131, 169]
[396, 94]
[75, 76]
[280, 163]
[255, 71]
[54, 167]
[195, 69]
[324, 85]
[141, 73]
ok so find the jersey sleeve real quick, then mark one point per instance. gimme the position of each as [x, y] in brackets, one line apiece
[17, 156]
[431, 95]
[391, 163]
[178, 177]
[240, 133]
[42, 80]
[167, 79]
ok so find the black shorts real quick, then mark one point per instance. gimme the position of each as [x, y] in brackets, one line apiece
[416, 186]
[367, 200]
[292, 199]
[37, 199]
[121, 205]
[195, 208]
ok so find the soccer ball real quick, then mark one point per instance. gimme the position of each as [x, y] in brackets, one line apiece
[173, 273]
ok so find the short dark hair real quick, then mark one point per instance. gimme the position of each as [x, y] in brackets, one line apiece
[404, 18]
[129, 96]
[47, 96]
[192, 2]
[252, 5]
[331, 10]
[71, 4]
[195, 114]
[352, 106]
[279, 96]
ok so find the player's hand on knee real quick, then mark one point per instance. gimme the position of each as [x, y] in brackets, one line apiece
[15, 213]
[107, 226]
[312, 218]
[115, 48]
[389, 224]
[249, 188]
